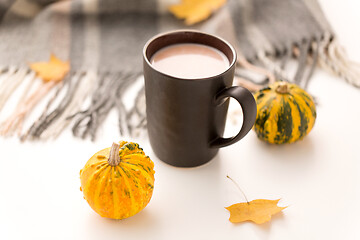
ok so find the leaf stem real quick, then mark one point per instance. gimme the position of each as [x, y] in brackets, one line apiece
[237, 185]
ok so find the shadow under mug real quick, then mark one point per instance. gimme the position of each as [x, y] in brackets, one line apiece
[186, 118]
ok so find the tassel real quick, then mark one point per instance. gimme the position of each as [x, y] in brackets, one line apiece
[10, 83]
[46, 119]
[85, 87]
[248, 83]
[303, 53]
[110, 89]
[42, 117]
[273, 66]
[100, 97]
[137, 114]
[287, 56]
[307, 54]
[16, 120]
[313, 62]
[124, 122]
[334, 59]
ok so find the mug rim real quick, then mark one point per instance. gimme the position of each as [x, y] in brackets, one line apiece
[147, 44]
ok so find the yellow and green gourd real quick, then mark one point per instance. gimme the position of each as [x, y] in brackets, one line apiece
[286, 113]
[118, 182]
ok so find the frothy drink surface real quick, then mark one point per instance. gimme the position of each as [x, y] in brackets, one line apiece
[190, 61]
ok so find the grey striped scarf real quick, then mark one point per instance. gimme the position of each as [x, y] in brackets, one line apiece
[103, 40]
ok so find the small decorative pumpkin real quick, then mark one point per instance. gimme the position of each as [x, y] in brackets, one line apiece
[286, 113]
[118, 182]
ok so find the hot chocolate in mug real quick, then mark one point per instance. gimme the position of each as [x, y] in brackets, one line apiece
[188, 82]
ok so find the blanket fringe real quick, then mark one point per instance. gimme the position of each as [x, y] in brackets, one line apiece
[105, 91]
[327, 53]
[66, 103]
[136, 117]
[10, 83]
[15, 121]
[47, 118]
[272, 66]
[86, 85]
[108, 94]
[333, 58]
[246, 81]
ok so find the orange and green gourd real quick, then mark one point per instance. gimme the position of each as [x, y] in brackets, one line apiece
[286, 113]
[118, 182]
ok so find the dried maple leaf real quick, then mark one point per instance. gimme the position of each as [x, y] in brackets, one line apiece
[194, 11]
[259, 211]
[53, 70]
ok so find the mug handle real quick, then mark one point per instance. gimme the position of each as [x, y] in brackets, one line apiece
[248, 105]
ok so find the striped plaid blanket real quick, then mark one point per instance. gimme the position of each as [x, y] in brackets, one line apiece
[103, 40]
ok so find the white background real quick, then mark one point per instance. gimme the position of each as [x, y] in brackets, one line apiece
[318, 178]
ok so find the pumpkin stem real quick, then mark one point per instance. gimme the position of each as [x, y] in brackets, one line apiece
[282, 88]
[114, 157]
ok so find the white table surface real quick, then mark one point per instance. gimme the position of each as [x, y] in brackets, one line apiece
[318, 178]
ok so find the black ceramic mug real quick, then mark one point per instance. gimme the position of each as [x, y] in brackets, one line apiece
[186, 118]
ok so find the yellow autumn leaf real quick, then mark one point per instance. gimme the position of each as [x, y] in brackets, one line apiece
[53, 70]
[194, 11]
[259, 211]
